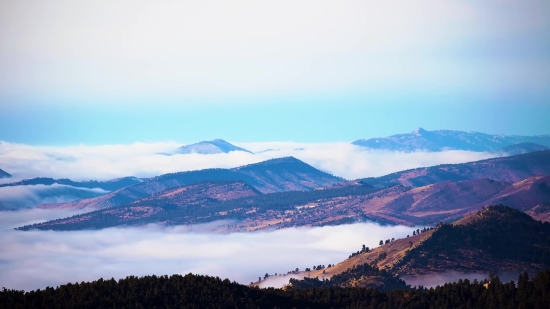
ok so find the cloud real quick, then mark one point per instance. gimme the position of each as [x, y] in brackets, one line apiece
[28, 196]
[433, 280]
[105, 49]
[13, 219]
[35, 259]
[142, 159]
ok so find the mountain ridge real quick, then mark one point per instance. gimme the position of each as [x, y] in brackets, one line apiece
[441, 140]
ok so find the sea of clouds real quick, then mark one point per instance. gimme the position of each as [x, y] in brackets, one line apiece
[104, 162]
[36, 259]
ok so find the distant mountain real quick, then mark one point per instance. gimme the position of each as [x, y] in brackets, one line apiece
[441, 140]
[494, 240]
[521, 148]
[4, 174]
[508, 169]
[210, 147]
[276, 175]
[109, 185]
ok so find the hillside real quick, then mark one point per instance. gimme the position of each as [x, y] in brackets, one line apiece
[195, 291]
[4, 174]
[523, 195]
[204, 202]
[441, 140]
[210, 147]
[335, 205]
[493, 240]
[521, 148]
[507, 169]
[275, 175]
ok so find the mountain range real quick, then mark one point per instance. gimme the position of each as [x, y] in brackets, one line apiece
[251, 196]
[276, 175]
[441, 140]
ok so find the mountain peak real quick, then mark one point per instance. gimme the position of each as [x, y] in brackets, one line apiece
[419, 131]
[210, 147]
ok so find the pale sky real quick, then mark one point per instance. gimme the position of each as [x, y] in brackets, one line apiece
[98, 72]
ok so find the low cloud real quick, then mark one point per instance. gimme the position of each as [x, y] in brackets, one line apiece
[12, 219]
[36, 259]
[143, 159]
[17, 197]
[433, 280]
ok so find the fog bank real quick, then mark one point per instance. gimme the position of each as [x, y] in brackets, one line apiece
[36, 259]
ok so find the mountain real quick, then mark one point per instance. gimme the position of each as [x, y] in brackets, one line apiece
[206, 202]
[109, 185]
[276, 175]
[4, 174]
[508, 169]
[441, 140]
[494, 240]
[210, 147]
[521, 148]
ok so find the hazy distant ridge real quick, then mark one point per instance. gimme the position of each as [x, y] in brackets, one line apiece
[441, 140]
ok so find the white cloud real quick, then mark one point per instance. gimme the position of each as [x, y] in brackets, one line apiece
[142, 159]
[35, 259]
[16, 197]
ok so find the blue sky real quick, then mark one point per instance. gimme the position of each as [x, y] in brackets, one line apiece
[312, 71]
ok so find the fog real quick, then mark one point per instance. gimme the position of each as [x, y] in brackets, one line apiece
[36, 259]
[105, 162]
[433, 280]
[17, 197]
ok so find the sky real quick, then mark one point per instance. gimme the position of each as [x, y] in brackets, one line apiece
[103, 72]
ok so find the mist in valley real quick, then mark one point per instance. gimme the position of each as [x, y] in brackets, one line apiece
[36, 259]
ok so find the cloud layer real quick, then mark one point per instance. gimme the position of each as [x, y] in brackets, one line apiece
[36, 259]
[28, 196]
[142, 159]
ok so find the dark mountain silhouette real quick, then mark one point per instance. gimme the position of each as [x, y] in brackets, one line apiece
[440, 140]
[210, 147]
[4, 174]
[508, 169]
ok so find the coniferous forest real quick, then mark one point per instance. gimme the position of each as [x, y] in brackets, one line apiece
[193, 291]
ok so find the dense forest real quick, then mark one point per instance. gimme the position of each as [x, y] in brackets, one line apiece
[193, 291]
[371, 276]
[206, 212]
[498, 232]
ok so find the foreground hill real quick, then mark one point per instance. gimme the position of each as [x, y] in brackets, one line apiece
[440, 140]
[210, 147]
[508, 169]
[276, 175]
[4, 174]
[193, 291]
[494, 240]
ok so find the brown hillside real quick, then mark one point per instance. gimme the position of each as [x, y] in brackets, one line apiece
[523, 195]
